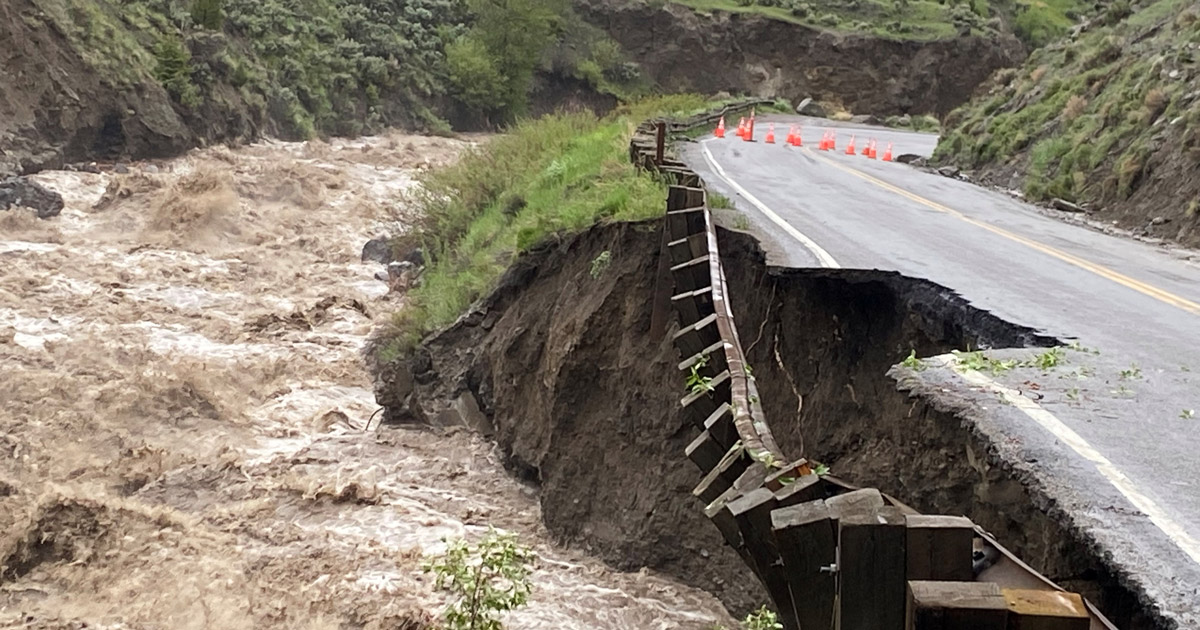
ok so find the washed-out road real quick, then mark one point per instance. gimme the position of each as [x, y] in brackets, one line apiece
[1117, 439]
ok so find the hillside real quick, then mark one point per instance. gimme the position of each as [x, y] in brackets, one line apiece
[113, 79]
[1108, 119]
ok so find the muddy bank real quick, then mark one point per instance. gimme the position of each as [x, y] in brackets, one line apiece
[561, 369]
[685, 51]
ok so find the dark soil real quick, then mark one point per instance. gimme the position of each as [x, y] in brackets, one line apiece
[561, 368]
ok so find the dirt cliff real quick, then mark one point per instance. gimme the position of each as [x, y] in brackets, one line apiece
[559, 366]
[683, 50]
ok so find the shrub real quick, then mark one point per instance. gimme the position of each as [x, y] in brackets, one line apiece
[485, 579]
[173, 70]
[209, 14]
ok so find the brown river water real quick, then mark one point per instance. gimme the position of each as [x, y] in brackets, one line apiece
[184, 437]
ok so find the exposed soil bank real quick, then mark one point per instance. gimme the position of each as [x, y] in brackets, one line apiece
[683, 50]
[561, 368]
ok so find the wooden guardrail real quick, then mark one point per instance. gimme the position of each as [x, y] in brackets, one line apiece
[831, 556]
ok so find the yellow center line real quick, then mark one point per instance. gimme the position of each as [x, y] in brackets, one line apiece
[1100, 270]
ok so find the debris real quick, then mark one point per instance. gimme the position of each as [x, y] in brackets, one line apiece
[808, 107]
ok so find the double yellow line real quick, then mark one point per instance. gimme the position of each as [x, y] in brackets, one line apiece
[1100, 270]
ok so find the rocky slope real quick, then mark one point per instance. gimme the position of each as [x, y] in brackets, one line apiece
[1109, 119]
[684, 50]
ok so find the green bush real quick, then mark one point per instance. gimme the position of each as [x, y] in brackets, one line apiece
[209, 14]
[174, 71]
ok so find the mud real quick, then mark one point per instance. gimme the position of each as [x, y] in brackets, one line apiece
[189, 438]
[583, 401]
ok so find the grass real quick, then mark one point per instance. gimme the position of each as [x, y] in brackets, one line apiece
[1079, 120]
[554, 175]
[920, 19]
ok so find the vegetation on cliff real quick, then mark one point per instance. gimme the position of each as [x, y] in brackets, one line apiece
[560, 173]
[336, 66]
[1109, 119]
[1036, 22]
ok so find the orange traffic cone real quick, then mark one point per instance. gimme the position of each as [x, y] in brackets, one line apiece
[749, 137]
[833, 141]
[887, 153]
[850, 147]
[791, 137]
[825, 142]
[770, 139]
[871, 149]
[799, 142]
[741, 130]
[720, 131]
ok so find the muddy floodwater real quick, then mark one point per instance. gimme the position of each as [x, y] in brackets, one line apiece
[184, 437]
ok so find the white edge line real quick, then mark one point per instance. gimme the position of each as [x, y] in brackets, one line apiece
[1058, 429]
[817, 251]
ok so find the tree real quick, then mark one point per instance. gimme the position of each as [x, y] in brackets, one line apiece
[209, 14]
[514, 33]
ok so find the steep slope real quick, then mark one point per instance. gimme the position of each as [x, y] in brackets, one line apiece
[682, 49]
[1108, 119]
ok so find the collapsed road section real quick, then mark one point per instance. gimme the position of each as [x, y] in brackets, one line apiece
[573, 372]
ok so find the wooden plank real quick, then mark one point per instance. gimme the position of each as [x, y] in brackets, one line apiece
[692, 306]
[795, 469]
[939, 547]
[713, 357]
[752, 511]
[872, 588]
[803, 489]
[692, 275]
[683, 223]
[749, 478]
[1045, 610]
[805, 537]
[698, 336]
[865, 498]
[705, 452]
[956, 606]
[721, 479]
[688, 248]
[699, 405]
[684, 198]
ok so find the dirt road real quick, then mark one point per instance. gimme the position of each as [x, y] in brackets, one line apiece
[183, 436]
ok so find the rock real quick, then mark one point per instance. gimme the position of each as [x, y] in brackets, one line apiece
[120, 168]
[1064, 205]
[864, 119]
[21, 191]
[1174, 74]
[378, 249]
[150, 168]
[1159, 220]
[948, 171]
[910, 158]
[808, 107]
[904, 120]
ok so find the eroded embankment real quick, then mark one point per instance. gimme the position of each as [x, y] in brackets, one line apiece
[560, 365]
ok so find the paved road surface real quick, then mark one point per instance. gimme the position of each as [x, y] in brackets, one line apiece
[1122, 452]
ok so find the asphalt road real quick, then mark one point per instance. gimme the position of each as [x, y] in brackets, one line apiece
[1115, 435]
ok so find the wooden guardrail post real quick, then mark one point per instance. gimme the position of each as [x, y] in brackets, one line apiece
[939, 548]
[660, 142]
[805, 536]
[956, 606]
[871, 577]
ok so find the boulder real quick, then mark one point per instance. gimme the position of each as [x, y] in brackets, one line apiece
[911, 158]
[1064, 205]
[378, 249]
[864, 119]
[809, 107]
[24, 192]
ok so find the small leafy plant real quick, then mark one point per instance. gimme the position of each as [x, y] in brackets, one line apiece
[485, 579]
[1049, 359]
[1133, 372]
[697, 382]
[761, 619]
[600, 264]
[1187, 414]
[912, 362]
